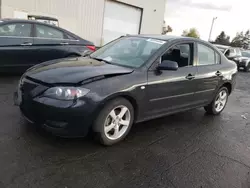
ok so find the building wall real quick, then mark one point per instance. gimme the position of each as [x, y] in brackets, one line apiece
[153, 14]
[82, 17]
[85, 17]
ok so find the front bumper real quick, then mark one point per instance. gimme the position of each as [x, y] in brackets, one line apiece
[61, 118]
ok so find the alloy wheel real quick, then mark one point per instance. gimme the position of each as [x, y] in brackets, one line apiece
[117, 122]
[220, 101]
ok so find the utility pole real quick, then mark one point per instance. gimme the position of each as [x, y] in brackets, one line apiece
[209, 39]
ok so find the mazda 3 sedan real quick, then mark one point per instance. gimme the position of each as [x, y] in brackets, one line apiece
[130, 80]
[25, 43]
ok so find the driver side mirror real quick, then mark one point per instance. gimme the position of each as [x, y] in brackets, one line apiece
[168, 65]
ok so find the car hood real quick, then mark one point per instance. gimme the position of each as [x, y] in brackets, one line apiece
[73, 70]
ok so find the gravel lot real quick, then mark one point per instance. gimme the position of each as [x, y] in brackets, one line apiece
[189, 149]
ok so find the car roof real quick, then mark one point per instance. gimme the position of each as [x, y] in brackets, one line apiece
[161, 37]
[7, 20]
[172, 37]
[224, 46]
[43, 17]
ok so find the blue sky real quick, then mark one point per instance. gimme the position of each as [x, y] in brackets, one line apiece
[232, 16]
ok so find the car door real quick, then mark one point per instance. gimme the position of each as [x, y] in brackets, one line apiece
[16, 46]
[209, 74]
[51, 43]
[170, 91]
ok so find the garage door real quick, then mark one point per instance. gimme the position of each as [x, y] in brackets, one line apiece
[120, 19]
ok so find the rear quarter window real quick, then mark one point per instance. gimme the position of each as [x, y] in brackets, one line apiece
[206, 55]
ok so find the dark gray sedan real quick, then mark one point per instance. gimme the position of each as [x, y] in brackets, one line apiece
[24, 43]
[130, 80]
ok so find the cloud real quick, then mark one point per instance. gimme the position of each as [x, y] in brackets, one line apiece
[212, 6]
[209, 5]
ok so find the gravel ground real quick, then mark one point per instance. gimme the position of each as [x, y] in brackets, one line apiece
[189, 149]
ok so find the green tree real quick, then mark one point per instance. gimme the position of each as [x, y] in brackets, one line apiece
[222, 39]
[191, 33]
[241, 40]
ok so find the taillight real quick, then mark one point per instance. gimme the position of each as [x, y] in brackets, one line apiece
[92, 48]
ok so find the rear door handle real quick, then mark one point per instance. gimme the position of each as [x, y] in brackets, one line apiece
[26, 44]
[64, 43]
[218, 73]
[190, 77]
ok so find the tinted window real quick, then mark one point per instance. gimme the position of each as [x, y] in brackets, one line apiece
[246, 54]
[16, 29]
[43, 31]
[238, 52]
[206, 55]
[70, 37]
[150, 48]
[179, 53]
[232, 51]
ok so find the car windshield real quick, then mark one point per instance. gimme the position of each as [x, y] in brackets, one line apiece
[246, 54]
[128, 51]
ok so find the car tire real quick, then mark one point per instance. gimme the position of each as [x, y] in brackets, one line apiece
[247, 69]
[219, 102]
[114, 122]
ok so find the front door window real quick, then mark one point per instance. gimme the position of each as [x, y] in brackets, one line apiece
[16, 30]
[181, 54]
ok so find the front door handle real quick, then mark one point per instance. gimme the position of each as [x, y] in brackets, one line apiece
[218, 73]
[190, 77]
[26, 44]
[64, 43]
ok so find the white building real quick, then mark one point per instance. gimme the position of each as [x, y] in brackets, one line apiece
[99, 21]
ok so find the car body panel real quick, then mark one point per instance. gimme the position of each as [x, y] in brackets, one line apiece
[14, 54]
[80, 69]
[244, 61]
[170, 90]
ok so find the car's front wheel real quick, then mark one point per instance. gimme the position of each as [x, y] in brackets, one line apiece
[219, 102]
[247, 68]
[114, 121]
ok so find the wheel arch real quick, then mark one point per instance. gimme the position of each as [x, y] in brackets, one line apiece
[126, 96]
[73, 54]
[228, 85]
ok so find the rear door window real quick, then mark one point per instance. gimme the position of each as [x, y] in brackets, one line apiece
[16, 30]
[43, 31]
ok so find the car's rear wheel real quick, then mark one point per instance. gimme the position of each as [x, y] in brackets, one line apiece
[114, 121]
[219, 102]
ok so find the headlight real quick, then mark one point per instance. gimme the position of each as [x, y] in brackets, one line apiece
[65, 93]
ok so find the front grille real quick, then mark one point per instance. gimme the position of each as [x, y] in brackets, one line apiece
[242, 63]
